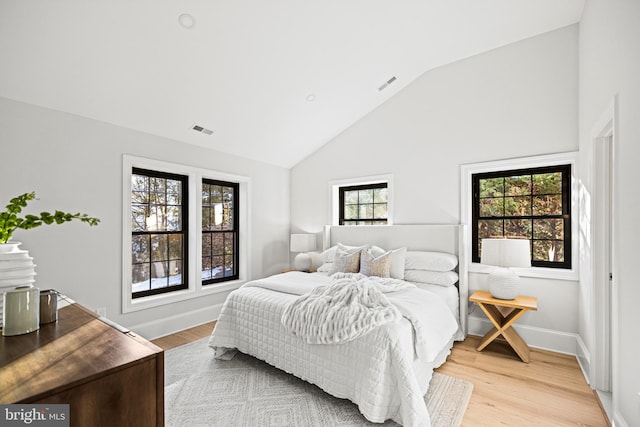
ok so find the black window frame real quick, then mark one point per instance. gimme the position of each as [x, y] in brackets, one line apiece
[566, 215]
[184, 232]
[236, 233]
[376, 221]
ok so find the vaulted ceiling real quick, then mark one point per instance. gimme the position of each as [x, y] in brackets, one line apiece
[274, 80]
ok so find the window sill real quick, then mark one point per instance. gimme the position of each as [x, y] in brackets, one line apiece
[216, 288]
[535, 272]
[177, 296]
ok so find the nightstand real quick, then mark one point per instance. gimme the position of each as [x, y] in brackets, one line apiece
[503, 314]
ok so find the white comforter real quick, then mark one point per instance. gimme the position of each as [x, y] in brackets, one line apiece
[385, 372]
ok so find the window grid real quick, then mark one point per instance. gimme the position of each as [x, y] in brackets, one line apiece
[363, 204]
[220, 231]
[533, 203]
[159, 216]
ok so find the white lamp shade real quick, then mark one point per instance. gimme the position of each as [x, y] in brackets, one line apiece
[303, 242]
[506, 252]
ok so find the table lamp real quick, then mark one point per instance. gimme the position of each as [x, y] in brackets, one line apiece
[302, 243]
[503, 254]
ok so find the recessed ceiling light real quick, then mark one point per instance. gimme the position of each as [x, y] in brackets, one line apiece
[187, 21]
[311, 97]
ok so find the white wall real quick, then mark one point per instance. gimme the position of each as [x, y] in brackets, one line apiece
[75, 164]
[610, 65]
[519, 100]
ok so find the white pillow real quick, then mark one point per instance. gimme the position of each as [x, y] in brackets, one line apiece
[397, 260]
[352, 249]
[433, 261]
[325, 268]
[379, 266]
[329, 254]
[442, 278]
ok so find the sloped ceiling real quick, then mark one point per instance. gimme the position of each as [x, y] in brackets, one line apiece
[246, 69]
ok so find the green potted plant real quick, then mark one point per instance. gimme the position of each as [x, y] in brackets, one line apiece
[17, 270]
[10, 220]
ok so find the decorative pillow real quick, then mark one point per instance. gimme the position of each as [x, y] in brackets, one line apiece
[397, 260]
[328, 255]
[442, 278]
[345, 262]
[432, 261]
[375, 266]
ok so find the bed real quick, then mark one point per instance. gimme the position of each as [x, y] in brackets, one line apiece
[386, 371]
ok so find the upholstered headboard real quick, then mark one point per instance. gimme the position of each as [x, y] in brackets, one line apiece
[418, 237]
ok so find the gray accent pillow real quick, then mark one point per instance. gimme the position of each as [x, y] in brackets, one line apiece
[345, 262]
[327, 257]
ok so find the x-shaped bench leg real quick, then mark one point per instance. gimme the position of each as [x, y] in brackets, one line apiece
[502, 326]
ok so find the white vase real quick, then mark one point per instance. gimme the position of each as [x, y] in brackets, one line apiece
[16, 269]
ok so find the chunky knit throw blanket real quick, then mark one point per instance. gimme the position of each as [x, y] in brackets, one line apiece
[350, 307]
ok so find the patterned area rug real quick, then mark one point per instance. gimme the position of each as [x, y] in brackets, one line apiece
[203, 391]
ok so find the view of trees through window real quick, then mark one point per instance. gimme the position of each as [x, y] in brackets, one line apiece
[219, 231]
[530, 203]
[364, 204]
[158, 241]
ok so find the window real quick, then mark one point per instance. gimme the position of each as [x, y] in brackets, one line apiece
[219, 231]
[364, 204]
[181, 232]
[362, 201]
[159, 224]
[532, 203]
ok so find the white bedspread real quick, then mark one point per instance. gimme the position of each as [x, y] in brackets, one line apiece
[385, 372]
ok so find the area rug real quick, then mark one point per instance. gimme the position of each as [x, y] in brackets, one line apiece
[246, 392]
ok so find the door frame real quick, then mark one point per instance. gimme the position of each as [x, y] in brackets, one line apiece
[604, 301]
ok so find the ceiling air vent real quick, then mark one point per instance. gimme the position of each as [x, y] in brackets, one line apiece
[202, 129]
[387, 83]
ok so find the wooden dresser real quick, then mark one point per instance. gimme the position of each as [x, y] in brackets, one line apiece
[108, 376]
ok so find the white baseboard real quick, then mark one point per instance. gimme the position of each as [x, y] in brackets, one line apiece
[584, 359]
[545, 339]
[176, 323]
[618, 420]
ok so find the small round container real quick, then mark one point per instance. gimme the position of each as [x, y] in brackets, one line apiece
[48, 306]
[21, 311]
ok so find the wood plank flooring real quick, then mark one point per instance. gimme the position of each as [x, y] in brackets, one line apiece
[184, 337]
[549, 391]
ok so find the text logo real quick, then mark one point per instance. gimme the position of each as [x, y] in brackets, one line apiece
[34, 415]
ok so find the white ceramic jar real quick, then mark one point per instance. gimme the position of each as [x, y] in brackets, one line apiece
[21, 313]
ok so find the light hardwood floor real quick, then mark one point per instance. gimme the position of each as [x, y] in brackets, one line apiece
[184, 337]
[549, 391]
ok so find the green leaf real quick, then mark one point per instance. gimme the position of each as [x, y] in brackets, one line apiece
[10, 221]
